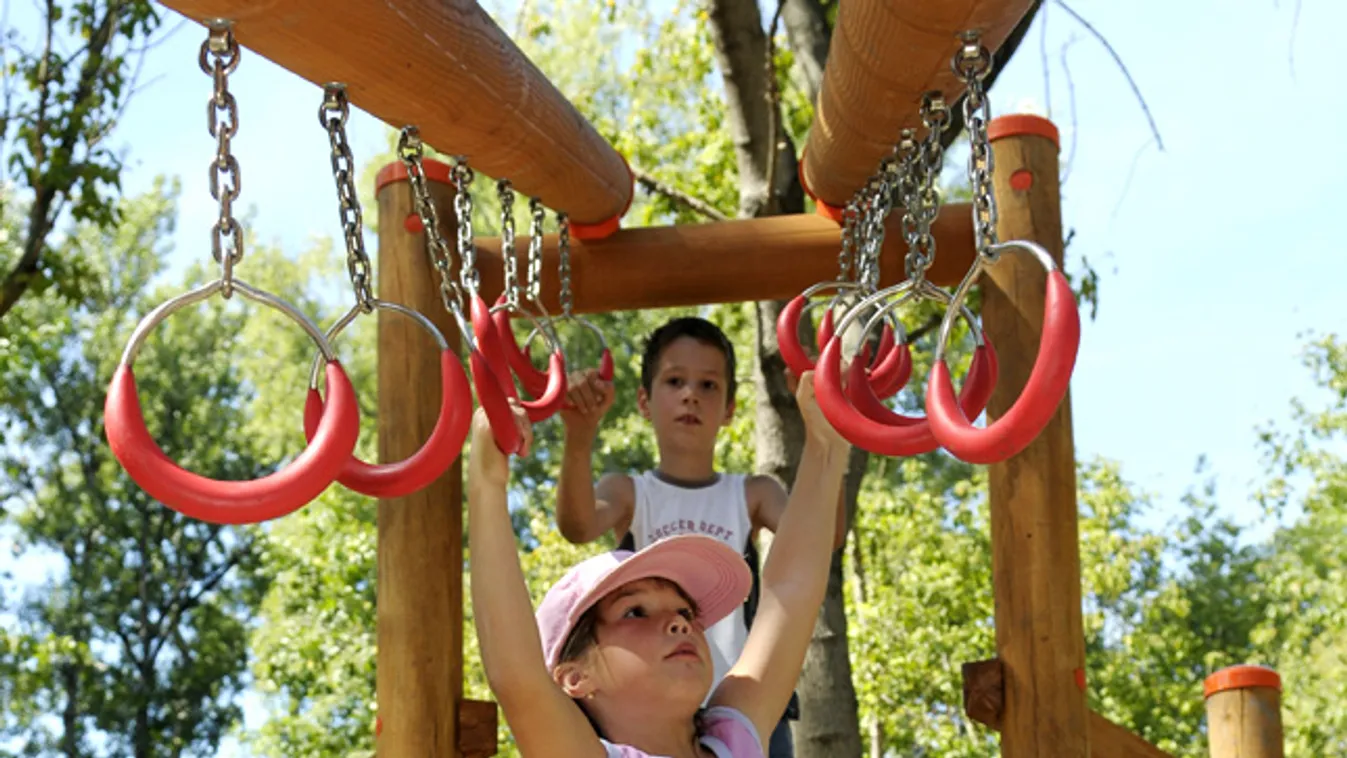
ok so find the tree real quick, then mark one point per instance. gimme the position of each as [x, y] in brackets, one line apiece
[136, 645]
[1306, 574]
[63, 93]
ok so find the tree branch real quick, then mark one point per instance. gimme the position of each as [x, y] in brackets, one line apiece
[1155, 130]
[680, 197]
[40, 216]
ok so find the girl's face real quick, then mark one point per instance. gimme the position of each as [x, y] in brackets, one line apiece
[650, 644]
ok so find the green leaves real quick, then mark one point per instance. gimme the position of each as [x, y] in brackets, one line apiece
[138, 641]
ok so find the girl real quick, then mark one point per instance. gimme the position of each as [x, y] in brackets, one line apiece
[615, 664]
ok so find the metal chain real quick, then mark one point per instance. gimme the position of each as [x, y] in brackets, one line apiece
[564, 253]
[507, 252]
[410, 149]
[972, 63]
[923, 199]
[467, 254]
[535, 264]
[332, 114]
[879, 203]
[850, 224]
[218, 58]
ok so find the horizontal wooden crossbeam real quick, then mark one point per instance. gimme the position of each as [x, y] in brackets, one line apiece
[444, 66]
[884, 57]
[771, 258]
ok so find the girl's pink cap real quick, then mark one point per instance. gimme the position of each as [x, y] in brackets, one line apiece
[708, 571]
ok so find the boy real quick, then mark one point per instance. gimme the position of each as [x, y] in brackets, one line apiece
[687, 394]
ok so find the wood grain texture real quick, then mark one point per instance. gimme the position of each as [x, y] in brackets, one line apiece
[769, 258]
[476, 728]
[420, 584]
[446, 67]
[885, 54]
[1035, 540]
[1245, 723]
[984, 702]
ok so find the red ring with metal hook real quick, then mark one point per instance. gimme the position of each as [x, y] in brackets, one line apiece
[429, 462]
[531, 377]
[489, 343]
[977, 390]
[1043, 392]
[492, 379]
[241, 502]
[892, 366]
[788, 337]
[896, 435]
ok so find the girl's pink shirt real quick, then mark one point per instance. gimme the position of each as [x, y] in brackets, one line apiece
[728, 733]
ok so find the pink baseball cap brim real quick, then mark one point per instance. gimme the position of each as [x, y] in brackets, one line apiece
[710, 572]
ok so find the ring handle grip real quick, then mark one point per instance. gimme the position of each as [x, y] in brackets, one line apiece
[429, 462]
[533, 379]
[1043, 392]
[232, 502]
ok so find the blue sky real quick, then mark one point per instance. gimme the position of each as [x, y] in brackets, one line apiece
[1214, 254]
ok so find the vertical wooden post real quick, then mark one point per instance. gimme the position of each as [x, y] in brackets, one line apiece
[1244, 718]
[1035, 541]
[420, 589]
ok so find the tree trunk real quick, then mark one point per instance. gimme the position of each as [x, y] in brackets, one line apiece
[807, 29]
[828, 725]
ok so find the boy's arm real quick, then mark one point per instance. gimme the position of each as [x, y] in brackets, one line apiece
[544, 720]
[585, 510]
[793, 580]
[767, 502]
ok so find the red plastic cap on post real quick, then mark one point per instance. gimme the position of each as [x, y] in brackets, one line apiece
[1015, 124]
[1241, 677]
[396, 171]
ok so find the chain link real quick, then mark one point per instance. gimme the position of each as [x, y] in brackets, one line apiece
[468, 276]
[332, 114]
[850, 224]
[564, 268]
[218, 58]
[878, 203]
[535, 263]
[410, 150]
[923, 196]
[505, 192]
[972, 63]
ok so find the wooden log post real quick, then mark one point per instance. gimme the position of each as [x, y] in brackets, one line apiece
[984, 702]
[884, 56]
[1035, 540]
[419, 679]
[1244, 718]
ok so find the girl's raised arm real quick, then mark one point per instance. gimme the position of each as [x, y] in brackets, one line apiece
[543, 719]
[793, 579]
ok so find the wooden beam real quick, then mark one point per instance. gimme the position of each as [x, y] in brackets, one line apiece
[769, 258]
[476, 729]
[419, 672]
[1035, 541]
[446, 67]
[1244, 717]
[884, 56]
[984, 702]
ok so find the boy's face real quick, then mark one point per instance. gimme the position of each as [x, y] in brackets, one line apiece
[687, 400]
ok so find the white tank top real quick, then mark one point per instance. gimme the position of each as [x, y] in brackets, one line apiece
[717, 510]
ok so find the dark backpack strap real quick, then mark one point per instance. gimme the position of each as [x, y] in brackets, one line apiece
[751, 602]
